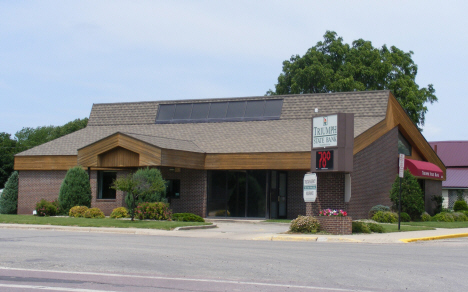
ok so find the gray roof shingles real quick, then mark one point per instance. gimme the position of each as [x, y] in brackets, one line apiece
[291, 133]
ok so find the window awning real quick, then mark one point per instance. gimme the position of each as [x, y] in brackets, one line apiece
[424, 169]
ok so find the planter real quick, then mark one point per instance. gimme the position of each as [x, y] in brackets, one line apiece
[336, 224]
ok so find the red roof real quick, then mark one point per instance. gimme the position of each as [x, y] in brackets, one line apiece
[456, 178]
[424, 169]
[452, 153]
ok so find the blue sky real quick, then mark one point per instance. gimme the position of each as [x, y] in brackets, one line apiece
[57, 58]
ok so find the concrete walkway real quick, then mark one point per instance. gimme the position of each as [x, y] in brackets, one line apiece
[258, 230]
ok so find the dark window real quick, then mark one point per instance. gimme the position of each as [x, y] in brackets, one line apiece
[105, 181]
[236, 109]
[183, 111]
[173, 188]
[166, 111]
[200, 111]
[254, 108]
[273, 108]
[218, 110]
[404, 147]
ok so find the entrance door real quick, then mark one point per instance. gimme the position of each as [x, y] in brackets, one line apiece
[278, 194]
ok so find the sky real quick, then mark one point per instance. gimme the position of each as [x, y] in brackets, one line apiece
[57, 58]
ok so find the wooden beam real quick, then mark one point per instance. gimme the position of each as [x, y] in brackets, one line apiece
[45, 162]
[280, 161]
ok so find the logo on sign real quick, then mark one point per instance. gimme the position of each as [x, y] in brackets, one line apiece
[325, 121]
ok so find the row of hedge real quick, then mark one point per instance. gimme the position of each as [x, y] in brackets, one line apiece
[392, 217]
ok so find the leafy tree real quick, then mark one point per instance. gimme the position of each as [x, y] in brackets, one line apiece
[7, 152]
[412, 200]
[333, 66]
[145, 185]
[9, 197]
[75, 190]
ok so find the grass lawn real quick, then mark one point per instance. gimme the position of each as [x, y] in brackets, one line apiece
[440, 224]
[394, 227]
[278, 220]
[86, 222]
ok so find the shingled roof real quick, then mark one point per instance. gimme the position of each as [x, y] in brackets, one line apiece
[290, 133]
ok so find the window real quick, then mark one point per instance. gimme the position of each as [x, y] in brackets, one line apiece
[105, 181]
[173, 188]
[404, 147]
[221, 111]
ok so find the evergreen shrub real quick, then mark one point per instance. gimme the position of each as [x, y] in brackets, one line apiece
[77, 211]
[153, 211]
[376, 209]
[305, 224]
[149, 176]
[9, 197]
[360, 227]
[377, 228]
[120, 212]
[385, 217]
[460, 205]
[404, 217]
[75, 189]
[45, 208]
[459, 216]
[443, 217]
[94, 213]
[425, 217]
[188, 217]
[438, 200]
[412, 198]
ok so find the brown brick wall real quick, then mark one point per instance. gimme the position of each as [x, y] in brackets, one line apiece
[336, 225]
[295, 199]
[106, 205]
[432, 188]
[375, 169]
[193, 190]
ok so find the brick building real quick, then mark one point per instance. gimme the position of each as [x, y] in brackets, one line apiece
[236, 157]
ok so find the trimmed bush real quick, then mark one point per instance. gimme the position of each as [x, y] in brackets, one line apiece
[376, 209]
[425, 217]
[94, 213]
[412, 198]
[77, 211]
[360, 227]
[305, 224]
[460, 206]
[377, 228]
[9, 197]
[188, 217]
[153, 211]
[75, 189]
[443, 217]
[404, 217]
[385, 217]
[120, 212]
[45, 208]
[459, 216]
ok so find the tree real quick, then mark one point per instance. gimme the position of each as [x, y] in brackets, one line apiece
[9, 197]
[7, 152]
[75, 190]
[145, 185]
[412, 198]
[333, 66]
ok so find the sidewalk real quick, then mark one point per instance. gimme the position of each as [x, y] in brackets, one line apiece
[258, 230]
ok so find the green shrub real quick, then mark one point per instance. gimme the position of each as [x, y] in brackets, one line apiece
[438, 200]
[45, 208]
[385, 217]
[75, 189]
[360, 227]
[425, 217]
[188, 217]
[459, 216]
[154, 211]
[152, 175]
[120, 212]
[94, 213]
[443, 217]
[305, 224]
[9, 197]
[377, 228]
[77, 211]
[412, 198]
[376, 209]
[460, 206]
[404, 217]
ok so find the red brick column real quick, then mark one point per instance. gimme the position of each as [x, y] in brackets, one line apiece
[336, 224]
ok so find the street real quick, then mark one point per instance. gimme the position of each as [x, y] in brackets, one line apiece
[74, 261]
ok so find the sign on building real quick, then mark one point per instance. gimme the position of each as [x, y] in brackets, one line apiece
[325, 131]
[310, 187]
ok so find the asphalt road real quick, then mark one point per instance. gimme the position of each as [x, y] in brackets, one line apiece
[32, 260]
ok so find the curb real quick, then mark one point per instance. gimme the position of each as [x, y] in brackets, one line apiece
[408, 240]
[195, 227]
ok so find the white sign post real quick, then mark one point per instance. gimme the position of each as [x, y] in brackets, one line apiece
[401, 174]
[310, 187]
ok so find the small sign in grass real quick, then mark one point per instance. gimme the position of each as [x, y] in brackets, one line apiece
[86, 222]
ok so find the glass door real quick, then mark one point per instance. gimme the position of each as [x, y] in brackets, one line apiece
[278, 194]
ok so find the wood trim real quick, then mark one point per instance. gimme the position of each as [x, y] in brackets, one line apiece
[176, 158]
[286, 161]
[119, 157]
[45, 162]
